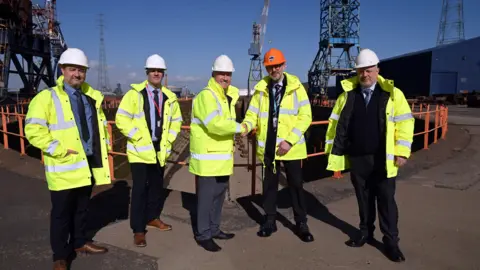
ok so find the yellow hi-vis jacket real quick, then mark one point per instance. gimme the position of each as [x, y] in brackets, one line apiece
[50, 126]
[399, 123]
[212, 131]
[130, 120]
[295, 117]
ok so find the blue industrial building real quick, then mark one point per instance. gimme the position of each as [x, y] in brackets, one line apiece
[445, 70]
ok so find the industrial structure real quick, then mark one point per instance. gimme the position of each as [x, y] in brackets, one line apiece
[103, 82]
[255, 74]
[450, 71]
[439, 71]
[31, 40]
[339, 44]
[451, 28]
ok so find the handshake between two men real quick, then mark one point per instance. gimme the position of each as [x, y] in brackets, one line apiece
[283, 147]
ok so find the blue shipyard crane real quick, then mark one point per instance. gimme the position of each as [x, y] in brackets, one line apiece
[255, 74]
[339, 43]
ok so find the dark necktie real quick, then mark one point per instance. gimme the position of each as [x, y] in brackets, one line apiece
[278, 96]
[276, 104]
[156, 100]
[83, 116]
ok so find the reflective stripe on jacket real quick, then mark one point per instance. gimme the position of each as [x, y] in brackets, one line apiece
[50, 126]
[212, 131]
[295, 117]
[400, 125]
[130, 120]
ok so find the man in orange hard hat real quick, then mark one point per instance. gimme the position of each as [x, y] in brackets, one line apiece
[281, 112]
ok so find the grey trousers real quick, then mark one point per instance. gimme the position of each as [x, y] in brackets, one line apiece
[210, 196]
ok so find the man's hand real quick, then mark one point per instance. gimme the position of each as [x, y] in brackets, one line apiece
[244, 130]
[283, 148]
[70, 151]
[400, 161]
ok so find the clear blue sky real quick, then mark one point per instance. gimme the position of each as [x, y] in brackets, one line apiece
[189, 34]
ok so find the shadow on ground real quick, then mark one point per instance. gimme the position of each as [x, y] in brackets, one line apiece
[315, 209]
[249, 209]
[108, 205]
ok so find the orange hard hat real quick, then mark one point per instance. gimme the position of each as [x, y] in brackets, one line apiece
[273, 57]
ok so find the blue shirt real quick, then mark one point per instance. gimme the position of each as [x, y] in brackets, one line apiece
[150, 95]
[87, 145]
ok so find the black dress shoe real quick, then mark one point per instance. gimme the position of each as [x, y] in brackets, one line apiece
[267, 229]
[224, 236]
[359, 242]
[394, 254]
[209, 245]
[304, 232]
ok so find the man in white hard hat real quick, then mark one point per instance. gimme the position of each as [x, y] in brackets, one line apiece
[371, 129]
[149, 116]
[66, 122]
[212, 134]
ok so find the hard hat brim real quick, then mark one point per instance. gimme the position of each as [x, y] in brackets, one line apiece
[154, 68]
[365, 66]
[72, 64]
[274, 64]
[219, 70]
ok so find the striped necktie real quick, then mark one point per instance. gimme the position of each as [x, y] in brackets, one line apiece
[368, 94]
[276, 105]
[278, 96]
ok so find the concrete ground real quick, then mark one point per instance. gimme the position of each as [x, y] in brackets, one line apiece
[437, 195]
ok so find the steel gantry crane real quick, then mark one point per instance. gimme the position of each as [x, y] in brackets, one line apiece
[30, 45]
[255, 74]
[46, 24]
[339, 44]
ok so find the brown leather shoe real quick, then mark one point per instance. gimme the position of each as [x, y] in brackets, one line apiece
[60, 265]
[90, 248]
[139, 240]
[157, 223]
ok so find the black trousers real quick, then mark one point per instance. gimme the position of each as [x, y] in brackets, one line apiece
[68, 220]
[293, 169]
[210, 197]
[148, 194]
[369, 178]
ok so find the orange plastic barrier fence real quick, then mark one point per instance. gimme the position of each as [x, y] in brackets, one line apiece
[439, 114]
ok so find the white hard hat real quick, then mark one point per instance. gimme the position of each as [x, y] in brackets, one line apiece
[73, 56]
[155, 61]
[366, 58]
[223, 63]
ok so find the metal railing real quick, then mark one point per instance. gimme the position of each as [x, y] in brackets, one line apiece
[437, 116]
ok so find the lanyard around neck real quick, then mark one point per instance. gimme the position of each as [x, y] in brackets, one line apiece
[160, 100]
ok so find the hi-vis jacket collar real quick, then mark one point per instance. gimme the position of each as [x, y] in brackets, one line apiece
[292, 83]
[352, 83]
[140, 86]
[86, 89]
[217, 88]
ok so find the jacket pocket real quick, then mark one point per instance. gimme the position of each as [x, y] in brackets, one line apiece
[216, 148]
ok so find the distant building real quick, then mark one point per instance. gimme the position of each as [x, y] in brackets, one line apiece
[244, 92]
[177, 90]
[445, 70]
